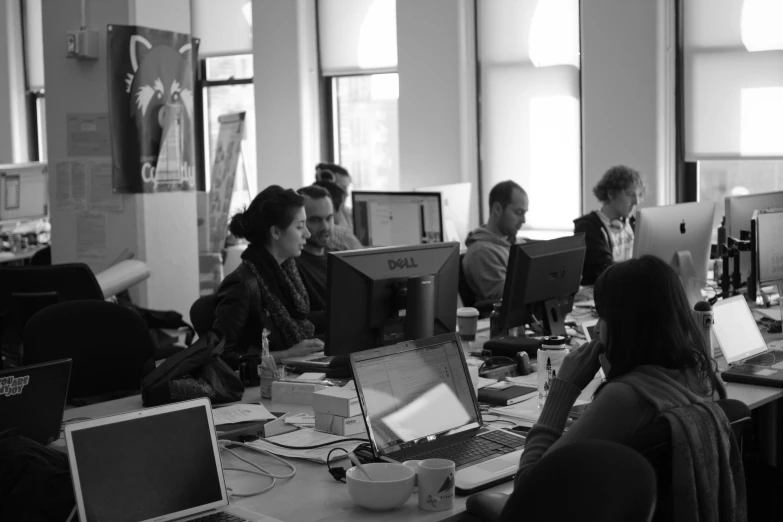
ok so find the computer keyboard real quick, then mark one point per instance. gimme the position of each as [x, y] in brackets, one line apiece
[219, 517]
[766, 358]
[476, 449]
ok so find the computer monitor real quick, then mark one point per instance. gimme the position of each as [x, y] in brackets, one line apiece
[397, 218]
[24, 192]
[767, 246]
[739, 211]
[541, 279]
[382, 296]
[455, 202]
[664, 231]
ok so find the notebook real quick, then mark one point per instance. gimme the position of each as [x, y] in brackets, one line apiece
[156, 464]
[418, 402]
[750, 360]
[32, 400]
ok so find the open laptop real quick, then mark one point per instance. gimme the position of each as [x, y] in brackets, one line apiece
[32, 400]
[750, 360]
[418, 402]
[156, 464]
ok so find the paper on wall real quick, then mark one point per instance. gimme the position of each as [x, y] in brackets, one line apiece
[90, 235]
[102, 196]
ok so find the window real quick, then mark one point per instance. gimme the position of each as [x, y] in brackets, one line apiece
[358, 57]
[365, 129]
[228, 88]
[733, 96]
[529, 62]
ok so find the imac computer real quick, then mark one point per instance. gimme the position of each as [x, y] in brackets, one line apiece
[383, 296]
[665, 231]
[455, 202]
[739, 211]
[397, 218]
[541, 279]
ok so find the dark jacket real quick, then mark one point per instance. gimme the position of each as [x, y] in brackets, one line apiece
[240, 316]
[598, 243]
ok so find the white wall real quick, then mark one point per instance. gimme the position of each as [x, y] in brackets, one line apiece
[13, 108]
[286, 92]
[623, 98]
[159, 228]
[437, 104]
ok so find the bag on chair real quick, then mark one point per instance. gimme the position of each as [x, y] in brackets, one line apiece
[197, 371]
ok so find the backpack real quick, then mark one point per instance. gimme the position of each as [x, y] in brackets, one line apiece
[196, 371]
[35, 482]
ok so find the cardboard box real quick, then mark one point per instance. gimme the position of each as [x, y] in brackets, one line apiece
[291, 392]
[343, 426]
[337, 401]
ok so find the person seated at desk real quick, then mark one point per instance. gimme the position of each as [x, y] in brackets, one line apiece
[656, 362]
[609, 231]
[265, 290]
[489, 245]
[342, 237]
[312, 262]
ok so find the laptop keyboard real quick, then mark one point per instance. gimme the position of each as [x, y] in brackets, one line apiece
[766, 359]
[477, 449]
[219, 517]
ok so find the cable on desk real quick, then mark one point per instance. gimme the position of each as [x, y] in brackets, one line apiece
[483, 418]
[224, 446]
[317, 445]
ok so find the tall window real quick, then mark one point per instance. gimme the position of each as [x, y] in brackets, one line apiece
[530, 106]
[358, 54]
[32, 28]
[733, 96]
[228, 88]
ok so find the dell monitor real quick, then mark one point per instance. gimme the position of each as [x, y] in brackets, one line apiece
[397, 218]
[383, 296]
[739, 211]
[665, 231]
[541, 279]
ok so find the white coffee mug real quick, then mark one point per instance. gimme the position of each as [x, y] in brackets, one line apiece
[435, 480]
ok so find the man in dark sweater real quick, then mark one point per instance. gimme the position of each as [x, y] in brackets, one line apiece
[312, 262]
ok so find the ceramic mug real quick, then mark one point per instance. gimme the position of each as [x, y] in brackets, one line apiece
[435, 480]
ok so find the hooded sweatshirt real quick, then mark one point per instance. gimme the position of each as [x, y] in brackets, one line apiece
[485, 263]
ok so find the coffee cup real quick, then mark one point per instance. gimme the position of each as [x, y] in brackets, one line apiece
[435, 479]
[467, 322]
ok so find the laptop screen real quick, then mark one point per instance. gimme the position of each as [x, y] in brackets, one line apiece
[736, 330]
[137, 467]
[414, 393]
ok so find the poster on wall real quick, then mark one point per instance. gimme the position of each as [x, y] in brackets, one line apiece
[223, 174]
[151, 83]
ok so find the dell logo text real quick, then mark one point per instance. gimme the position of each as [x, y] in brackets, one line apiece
[408, 262]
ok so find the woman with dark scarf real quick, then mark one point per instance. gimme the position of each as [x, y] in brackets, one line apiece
[265, 291]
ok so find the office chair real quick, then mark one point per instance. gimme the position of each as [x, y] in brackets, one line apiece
[202, 314]
[110, 345]
[587, 480]
[42, 257]
[25, 290]
[654, 442]
[466, 294]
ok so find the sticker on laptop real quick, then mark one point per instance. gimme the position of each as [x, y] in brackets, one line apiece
[13, 385]
[765, 373]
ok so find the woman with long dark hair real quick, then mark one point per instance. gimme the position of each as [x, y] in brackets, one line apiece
[656, 364]
[266, 291]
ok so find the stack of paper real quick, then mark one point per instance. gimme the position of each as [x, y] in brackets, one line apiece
[240, 413]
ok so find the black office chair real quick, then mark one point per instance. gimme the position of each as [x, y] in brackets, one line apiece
[42, 257]
[202, 314]
[654, 442]
[25, 290]
[587, 480]
[110, 346]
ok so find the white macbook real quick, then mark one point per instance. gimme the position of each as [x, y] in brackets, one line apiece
[750, 360]
[418, 402]
[156, 464]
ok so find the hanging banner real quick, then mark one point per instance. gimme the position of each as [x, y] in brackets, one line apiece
[223, 174]
[151, 83]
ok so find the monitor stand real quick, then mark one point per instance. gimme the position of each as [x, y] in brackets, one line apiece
[420, 307]
[554, 320]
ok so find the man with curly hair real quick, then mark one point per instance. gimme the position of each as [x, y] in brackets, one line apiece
[609, 231]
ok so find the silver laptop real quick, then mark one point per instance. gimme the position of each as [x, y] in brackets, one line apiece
[418, 402]
[750, 359]
[156, 464]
